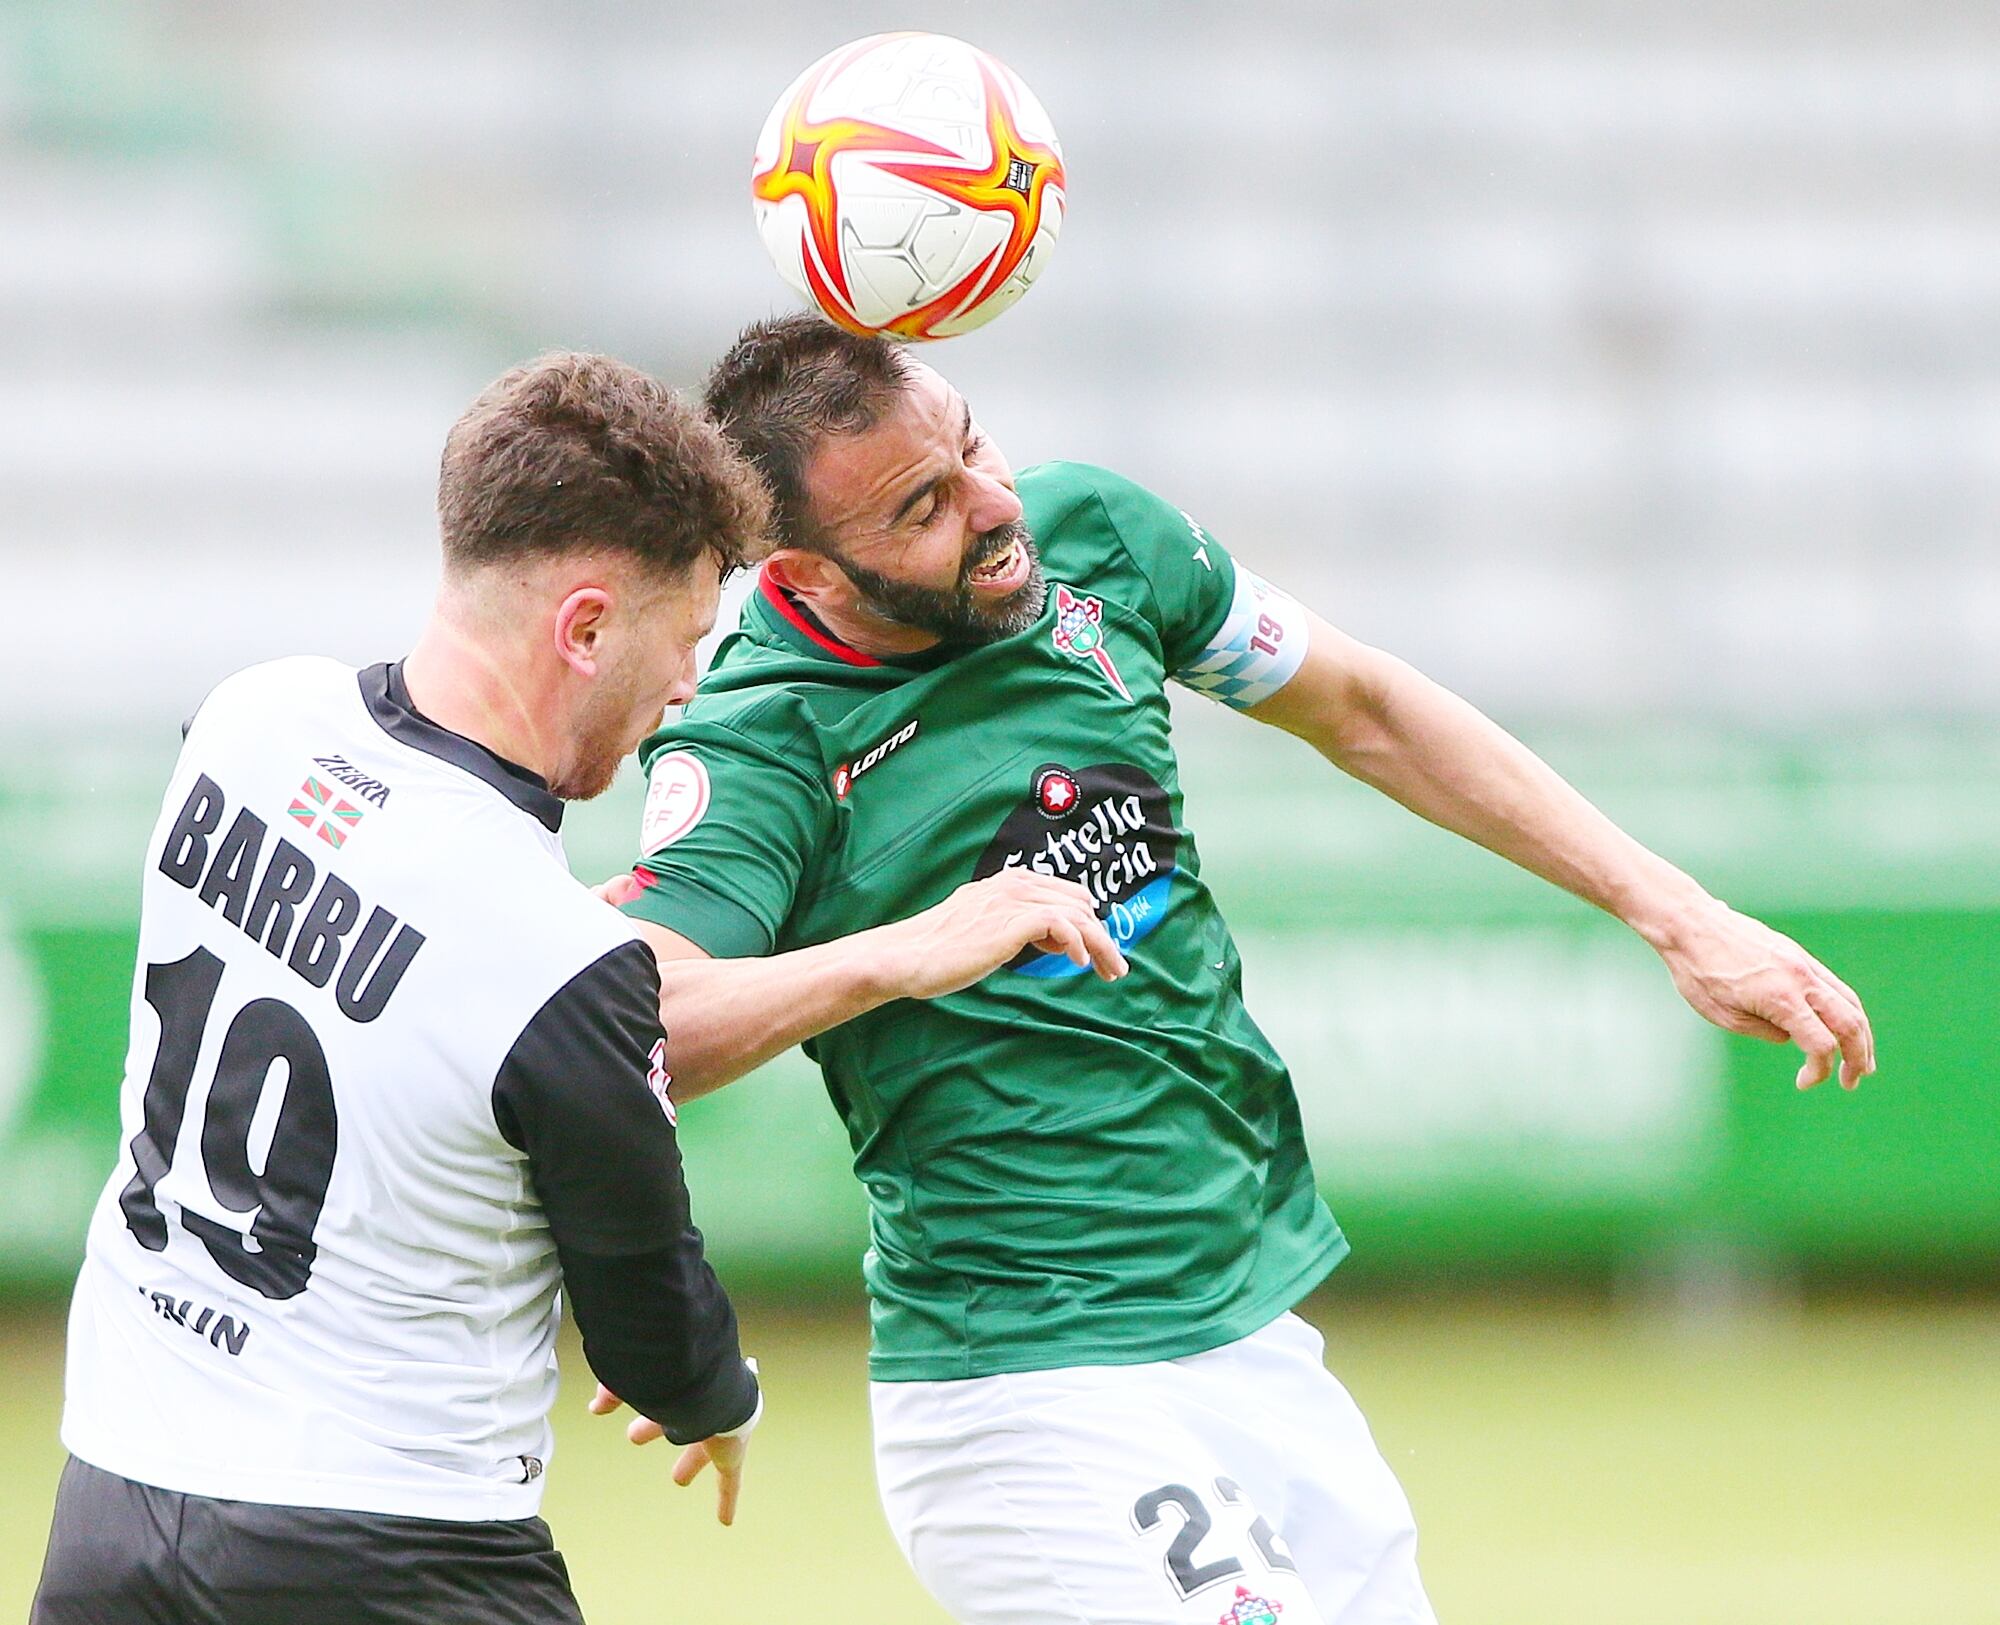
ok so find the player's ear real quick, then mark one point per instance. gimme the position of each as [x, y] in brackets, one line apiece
[581, 623]
[810, 576]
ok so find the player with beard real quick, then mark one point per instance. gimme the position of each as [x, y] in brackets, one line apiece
[311, 1348]
[1092, 1210]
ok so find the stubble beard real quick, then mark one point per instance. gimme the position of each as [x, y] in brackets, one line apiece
[603, 741]
[591, 772]
[954, 615]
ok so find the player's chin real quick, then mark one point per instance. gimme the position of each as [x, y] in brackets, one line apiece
[1013, 609]
[588, 779]
[1021, 608]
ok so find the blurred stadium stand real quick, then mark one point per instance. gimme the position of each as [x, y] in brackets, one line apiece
[1644, 360]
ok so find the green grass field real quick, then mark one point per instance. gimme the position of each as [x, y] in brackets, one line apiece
[1839, 1466]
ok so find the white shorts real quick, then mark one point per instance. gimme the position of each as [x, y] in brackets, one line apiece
[1239, 1486]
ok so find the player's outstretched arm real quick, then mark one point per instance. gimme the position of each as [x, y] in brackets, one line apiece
[1388, 725]
[726, 1017]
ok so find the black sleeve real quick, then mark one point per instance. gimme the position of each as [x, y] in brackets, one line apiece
[573, 1095]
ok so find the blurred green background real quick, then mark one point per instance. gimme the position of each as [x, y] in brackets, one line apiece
[1634, 370]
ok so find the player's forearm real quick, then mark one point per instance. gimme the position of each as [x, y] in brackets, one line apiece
[726, 1017]
[1395, 729]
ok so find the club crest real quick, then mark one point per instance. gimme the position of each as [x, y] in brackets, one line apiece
[1079, 633]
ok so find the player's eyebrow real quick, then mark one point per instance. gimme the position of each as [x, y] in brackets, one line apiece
[919, 492]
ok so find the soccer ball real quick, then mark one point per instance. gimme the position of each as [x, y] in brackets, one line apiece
[909, 184]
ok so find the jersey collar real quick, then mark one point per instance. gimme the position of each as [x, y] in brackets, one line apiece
[388, 702]
[792, 617]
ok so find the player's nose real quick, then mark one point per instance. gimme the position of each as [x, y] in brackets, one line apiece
[993, 503]
[684, 682]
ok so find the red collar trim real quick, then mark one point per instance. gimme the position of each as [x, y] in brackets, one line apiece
[801, 621]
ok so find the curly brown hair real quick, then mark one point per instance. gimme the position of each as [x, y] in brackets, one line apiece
[577, 451]
[786, 384]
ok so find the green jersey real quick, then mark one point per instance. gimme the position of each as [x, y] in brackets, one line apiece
[1061, 1170]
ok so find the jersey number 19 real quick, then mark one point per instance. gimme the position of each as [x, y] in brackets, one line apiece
[283, 1201]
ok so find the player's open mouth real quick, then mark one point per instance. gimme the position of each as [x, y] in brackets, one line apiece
[1005, 573]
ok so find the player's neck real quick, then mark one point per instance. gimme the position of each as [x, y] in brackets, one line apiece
[809, 584]
[460, 683]
[872, 635]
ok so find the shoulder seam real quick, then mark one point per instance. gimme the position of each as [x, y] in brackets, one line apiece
[1158, 617]
[1089, 493]
[1092, 493]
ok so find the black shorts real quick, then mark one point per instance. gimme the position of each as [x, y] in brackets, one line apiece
[126, 1552]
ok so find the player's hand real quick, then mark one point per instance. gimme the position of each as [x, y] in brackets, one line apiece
[640, 1430]
[725, 1450]
[618, 889]
[985, 923]
[1747, 978]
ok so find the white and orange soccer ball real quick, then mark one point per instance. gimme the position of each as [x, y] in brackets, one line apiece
[909, 184]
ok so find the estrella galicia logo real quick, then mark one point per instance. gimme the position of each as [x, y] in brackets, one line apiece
[1108, 828]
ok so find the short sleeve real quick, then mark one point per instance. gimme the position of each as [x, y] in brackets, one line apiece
[1224, 631]
[1190, 577]
[728, 828]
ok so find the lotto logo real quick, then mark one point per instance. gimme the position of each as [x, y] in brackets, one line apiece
[845, 774]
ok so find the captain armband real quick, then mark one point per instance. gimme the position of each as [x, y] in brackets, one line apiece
[1256, 651]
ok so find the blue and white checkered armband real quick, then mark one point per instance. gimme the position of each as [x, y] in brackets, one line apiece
[1256, 651]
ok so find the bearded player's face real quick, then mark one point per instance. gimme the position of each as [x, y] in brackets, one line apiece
[921, 514]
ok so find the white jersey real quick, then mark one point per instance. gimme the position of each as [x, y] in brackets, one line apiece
[393, 1075]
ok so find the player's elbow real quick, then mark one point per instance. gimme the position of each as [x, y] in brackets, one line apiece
[1367, 731]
